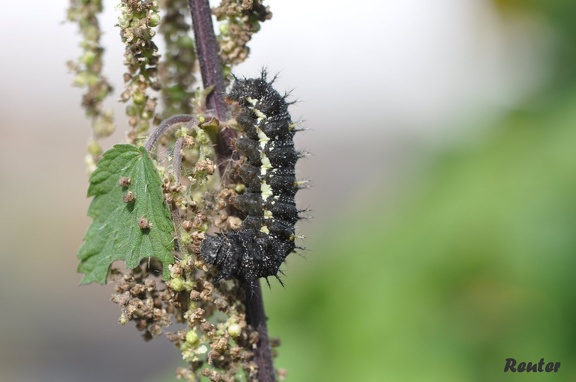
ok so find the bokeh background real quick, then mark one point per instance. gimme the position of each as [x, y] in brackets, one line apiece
[443, 141]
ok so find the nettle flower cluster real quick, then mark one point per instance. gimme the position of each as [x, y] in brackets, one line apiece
[136, 21]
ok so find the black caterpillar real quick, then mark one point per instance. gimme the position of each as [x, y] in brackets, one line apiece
[267, 233]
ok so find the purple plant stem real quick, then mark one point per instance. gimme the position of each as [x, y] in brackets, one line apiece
[178, 159]
[212, 76]
[211, 68]
[256, 318]
[167, 124]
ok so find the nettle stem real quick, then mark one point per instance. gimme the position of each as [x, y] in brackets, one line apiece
[212, 76]
[256, 318]
[207, 50]
[165, 126]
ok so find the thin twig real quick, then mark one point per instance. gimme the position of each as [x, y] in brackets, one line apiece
[177, 161]
[174, 210]
[212, 75]
[164, 126]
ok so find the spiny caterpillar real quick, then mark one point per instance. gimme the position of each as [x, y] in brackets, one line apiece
[267, 234]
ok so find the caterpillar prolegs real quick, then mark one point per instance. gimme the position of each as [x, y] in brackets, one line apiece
[267, 234]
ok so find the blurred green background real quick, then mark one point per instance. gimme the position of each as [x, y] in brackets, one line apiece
[469, 263]
[424, 262]
[476, 265]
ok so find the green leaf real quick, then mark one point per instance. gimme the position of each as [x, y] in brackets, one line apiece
[115, 232]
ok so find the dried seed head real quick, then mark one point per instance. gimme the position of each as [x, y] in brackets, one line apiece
[234, 223]
[187, 225]
[144, 224]
[124, 181]
[128, 197]
[205, 166]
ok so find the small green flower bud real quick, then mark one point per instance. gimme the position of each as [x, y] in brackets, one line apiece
[185, 42]
[192, 337]
[185, 238]
[131, 110]
[139, 98]
[154, 20]
[92, 32]
[177, 284]
[80, 80]
[103, 127]
[181, 132]
[234, 330]
[94, 148]
[123, 21]
[88, 58]
[92, 79]
[90, 164]
[143, 125]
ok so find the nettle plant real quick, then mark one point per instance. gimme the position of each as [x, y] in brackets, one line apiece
[199, 202]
